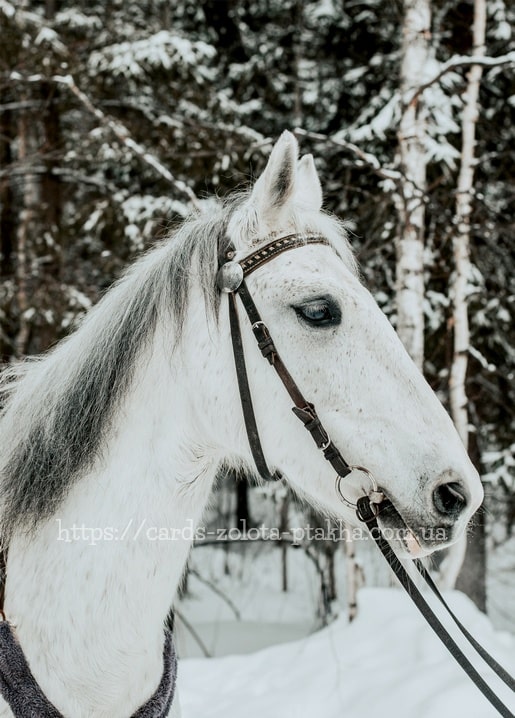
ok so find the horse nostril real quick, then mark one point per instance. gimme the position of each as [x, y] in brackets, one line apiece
[449, 499]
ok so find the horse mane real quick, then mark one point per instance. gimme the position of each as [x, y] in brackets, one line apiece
[59, 408]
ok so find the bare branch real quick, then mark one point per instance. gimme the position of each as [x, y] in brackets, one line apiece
[463, 61]
[216, 590]
[198, 640]
[369, 159]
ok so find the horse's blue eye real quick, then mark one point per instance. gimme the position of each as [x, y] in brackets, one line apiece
[319, 312]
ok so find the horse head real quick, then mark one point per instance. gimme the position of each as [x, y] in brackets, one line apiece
[347, 359]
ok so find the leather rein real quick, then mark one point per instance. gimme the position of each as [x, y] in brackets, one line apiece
[231, 280]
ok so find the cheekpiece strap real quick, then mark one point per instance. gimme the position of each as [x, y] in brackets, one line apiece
[231, 279]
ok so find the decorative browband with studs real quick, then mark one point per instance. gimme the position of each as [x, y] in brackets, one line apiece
[277, 246]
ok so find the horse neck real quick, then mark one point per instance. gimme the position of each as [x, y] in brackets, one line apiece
[109, 562]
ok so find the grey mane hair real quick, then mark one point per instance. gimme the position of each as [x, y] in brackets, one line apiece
[59, 408]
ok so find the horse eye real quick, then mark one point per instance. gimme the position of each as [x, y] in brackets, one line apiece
[319, 312]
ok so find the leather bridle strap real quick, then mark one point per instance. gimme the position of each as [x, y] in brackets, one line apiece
[246, 397]
[235, 284]
[367, 513]
[303, 409]
[494, 665]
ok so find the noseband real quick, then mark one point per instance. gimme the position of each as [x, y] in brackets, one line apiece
[231, 280]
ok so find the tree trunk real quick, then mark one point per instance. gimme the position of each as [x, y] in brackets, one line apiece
[411, 194]
[7, 216]
[475, 558]
[26, 231]
[461, 238]
[283, 528]
[472, 578]
[242, 502]
[329, 550]
[354, 578]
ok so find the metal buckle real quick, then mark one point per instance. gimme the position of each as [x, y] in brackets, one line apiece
[374, 495]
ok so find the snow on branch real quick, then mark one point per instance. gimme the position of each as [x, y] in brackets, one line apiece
[463, 61]
[118, 129]
[25, 19]
[366, 157]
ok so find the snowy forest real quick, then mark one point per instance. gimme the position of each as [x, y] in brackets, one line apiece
[120, 118]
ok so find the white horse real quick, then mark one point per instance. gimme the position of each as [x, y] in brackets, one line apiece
[121, 429]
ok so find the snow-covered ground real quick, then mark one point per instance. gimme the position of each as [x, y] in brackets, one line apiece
[501, 585]
[386, 663]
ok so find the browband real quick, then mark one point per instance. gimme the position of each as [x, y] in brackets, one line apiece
[278, 246]
[231, 273]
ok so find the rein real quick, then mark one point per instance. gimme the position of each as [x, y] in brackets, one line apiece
[231, 280]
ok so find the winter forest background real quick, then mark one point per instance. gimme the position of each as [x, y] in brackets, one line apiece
[118, 118]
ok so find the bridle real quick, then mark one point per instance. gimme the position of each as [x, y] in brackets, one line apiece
[231, 280]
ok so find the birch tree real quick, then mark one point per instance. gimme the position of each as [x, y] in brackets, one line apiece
[461, 238]
[27, 230]
[460, 290]
[410, 198]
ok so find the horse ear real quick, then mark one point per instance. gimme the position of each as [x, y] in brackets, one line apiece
[308, 191]
[277, 183]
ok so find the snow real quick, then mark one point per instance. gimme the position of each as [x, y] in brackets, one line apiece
[76, 19]
[274, 659]
[501, 465]
[501, 583]
[387, 662]
[144, 212]
[7, 8]
[161, 50]
[385, 119]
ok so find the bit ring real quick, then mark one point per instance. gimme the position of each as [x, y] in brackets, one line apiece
[375, 496]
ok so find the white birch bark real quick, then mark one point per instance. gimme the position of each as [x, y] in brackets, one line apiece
[461, 238]
[453, 562]
[410, 198]
[354, 578]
